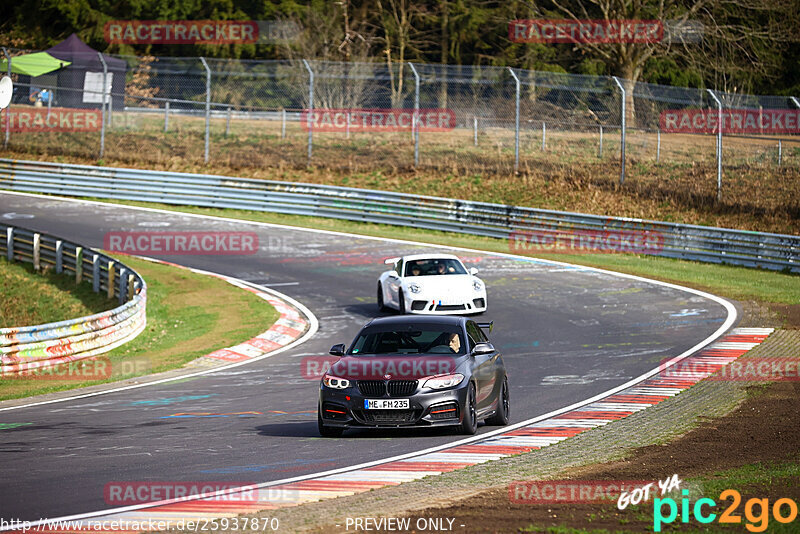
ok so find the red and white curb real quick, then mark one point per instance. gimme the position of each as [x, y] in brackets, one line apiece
[600, 411]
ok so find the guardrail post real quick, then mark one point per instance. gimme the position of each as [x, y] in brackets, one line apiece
[110, 286]
[123, 284]
[415, 117]
[310, 108]
[96, 273]
[103, 106]
[131, 286]
[208, 107]
[166, 116]
[59, 256]
[8, 110]
[78, 264]
[37, 240]
[516, 121]
[10, 243]
[622, 135]
[283, 123]
[719, 143]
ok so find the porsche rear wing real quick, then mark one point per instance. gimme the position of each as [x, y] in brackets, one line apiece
[487, 326]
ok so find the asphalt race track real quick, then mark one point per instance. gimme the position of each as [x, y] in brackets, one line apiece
[566, 333]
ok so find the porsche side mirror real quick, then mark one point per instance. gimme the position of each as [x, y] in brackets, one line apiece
[473, 271]
[337, 350]
[482, 348]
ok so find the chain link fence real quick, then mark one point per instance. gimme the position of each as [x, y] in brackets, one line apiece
[374, 117]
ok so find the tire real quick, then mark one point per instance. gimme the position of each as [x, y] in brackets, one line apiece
[470, 423]
[501, 416]
[381, 305]
[328, 431]
[401, 300]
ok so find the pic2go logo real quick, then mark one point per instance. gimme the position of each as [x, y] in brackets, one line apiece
[757, 522]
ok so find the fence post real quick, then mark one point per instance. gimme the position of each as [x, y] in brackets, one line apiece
[658, 145]
[283, 123]
[622, 135]
[37, 239]
[600, 155]
[59, 256]
[516, 121]
[228, 123]
[166, 116]
[96, 273]
[103, 106]
[415, 121]
[10, 243]
[310, 109]
[780, 150]
[544, 136]
[347, 126]
[475, 129]
[8, 110]
[208, 106]
[719, 143]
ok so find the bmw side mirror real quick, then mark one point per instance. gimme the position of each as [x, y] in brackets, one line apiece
[473, 271]
[482, 348]
[337, 350]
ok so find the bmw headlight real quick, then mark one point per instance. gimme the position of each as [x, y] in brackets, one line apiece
[414, 288]
[334, 382]
[443, 381]
[477, 286]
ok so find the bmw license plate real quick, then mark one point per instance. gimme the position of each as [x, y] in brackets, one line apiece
[386, 404]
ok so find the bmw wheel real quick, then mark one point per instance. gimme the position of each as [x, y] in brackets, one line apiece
[327, 431]
[469, 425]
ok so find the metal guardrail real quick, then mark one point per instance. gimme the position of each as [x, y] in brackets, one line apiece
[692, 242]
[35, 347]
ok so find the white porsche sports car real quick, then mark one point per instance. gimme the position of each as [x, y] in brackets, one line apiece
[436, 284]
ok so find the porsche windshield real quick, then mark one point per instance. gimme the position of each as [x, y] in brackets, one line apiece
[436, 266]
[413, 341]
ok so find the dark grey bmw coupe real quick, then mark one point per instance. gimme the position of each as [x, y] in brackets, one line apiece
[415, 371]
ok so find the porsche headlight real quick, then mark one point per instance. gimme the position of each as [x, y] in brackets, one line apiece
[414, 288]
[443, 381]
[477, 286]
[334, 382]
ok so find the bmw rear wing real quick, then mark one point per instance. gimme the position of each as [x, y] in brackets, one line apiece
[487, 326]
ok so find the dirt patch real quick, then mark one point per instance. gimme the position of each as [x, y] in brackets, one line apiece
[790, 313]
[762, 430]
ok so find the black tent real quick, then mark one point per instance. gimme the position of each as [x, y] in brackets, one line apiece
[83, 78]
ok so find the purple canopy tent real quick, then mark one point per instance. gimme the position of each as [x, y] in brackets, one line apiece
[85, 75]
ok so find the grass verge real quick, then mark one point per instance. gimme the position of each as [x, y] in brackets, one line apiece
[31, 298]
[188, 315]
